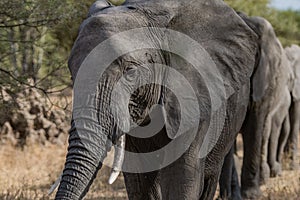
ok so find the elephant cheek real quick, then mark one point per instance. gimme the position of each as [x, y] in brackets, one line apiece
[119, 103]
[122, 117]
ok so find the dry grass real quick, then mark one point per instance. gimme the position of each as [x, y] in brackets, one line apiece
[285, 187]
[28, 174]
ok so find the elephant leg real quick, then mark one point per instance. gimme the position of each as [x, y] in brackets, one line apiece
[143, 186]
[235, 186]
[292, 144]
[279, 121]
[284, 135]
[210, 186]
[275, 167]
[180, 180]
[218, 162]
[252, 136]
[229, 182]
[264, 167]
[226, 178]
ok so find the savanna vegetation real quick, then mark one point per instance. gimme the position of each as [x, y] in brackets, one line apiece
[286, 23]
[36, 37]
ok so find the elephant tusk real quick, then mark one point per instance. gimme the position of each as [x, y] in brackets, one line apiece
[118, 160]
[55, 185]
[113, 176]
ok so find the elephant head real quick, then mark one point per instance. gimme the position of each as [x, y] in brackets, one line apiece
[293, 54]
[130, 45]
[107, 109]
[271, 60]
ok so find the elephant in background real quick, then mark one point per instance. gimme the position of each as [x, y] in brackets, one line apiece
[291, 128]
[229, 42]
[269, 104]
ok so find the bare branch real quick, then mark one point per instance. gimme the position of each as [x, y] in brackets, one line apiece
[45, 92]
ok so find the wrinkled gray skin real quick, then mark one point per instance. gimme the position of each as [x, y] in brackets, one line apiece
[232, 46]
[229, 179]
[290, 130]
[269, 104]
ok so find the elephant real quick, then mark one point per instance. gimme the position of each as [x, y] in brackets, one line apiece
[176, 56]
[268, 106]
[292, 126]
[229, 179]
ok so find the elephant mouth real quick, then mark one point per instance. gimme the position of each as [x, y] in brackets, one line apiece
[119, 146]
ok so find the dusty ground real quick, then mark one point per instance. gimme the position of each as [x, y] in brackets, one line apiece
[28, 174]
[286, 186]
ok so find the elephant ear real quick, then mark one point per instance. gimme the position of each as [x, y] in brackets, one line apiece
[181, 100]
[296, 88]
[260, 79]
[269, 58]
[213, 56]
[293, 54]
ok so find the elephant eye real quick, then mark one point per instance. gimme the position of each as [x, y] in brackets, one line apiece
[130, 73]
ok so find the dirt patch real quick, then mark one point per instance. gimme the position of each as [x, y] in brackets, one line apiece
[286, 186]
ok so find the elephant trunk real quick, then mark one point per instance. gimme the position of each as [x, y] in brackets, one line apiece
[88, 146]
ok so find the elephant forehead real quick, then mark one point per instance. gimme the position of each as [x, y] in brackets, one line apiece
[100, 27]
[144, 56]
